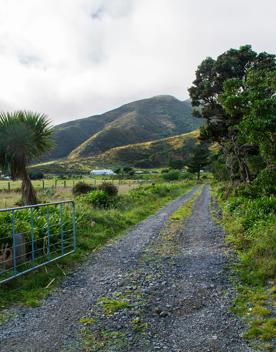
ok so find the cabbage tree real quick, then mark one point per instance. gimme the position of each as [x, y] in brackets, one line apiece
[24, 136]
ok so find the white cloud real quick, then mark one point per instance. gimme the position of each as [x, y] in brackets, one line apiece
[71, 59]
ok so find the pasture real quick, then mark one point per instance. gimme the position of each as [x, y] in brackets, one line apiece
[58, 183]
[54, 190]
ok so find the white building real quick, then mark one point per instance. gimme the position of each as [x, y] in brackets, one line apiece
[102, 172]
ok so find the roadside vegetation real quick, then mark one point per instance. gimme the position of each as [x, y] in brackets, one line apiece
[236, 95]
[250, 224]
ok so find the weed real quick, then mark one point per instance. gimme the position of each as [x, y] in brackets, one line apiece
[110, 306]
[102, 340]
[138, 325]
[87, 321]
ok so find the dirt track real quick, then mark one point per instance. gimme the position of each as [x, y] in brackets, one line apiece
[172, 279]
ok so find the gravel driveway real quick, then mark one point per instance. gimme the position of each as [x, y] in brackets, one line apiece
[163, 286]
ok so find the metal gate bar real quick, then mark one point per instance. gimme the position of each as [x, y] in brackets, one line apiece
[31, 237]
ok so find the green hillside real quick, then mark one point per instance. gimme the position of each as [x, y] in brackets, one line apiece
[155, 153]
[151, 154]
[139, 121]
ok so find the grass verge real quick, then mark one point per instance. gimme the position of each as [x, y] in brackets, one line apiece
[95, 227]
[250, 226]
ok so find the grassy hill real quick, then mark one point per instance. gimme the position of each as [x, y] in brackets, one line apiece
[150, 154]
[155, 153]
[139, 121]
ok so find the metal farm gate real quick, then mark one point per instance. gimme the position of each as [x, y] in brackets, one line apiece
[36, 235]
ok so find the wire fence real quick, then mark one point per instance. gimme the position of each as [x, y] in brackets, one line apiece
[11, 186]
[34, 236]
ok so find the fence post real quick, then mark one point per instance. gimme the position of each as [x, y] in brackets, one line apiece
[43, 185]
[64, 183]
[9, 186]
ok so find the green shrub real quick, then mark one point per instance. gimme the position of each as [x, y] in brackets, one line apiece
[186, 175]
[172, 175]
[162, 190]
[98, 199]
[220, 170]
[82, 188]
[263, 185]
[176, 164]
[249, 219]
[251, 224]
[165, 171]
[109, 188]
[36, 175]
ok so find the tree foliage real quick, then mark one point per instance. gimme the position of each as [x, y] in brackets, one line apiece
[236, 95]
[199, 159]
[176, 164]
[24, 136]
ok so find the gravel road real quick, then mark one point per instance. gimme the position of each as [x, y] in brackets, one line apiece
[161, 287]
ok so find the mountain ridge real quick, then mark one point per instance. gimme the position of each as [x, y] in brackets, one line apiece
[138, 121]
[156, 153]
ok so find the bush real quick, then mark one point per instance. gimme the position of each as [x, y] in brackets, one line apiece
[110, 189]
[251, 226]
[176, 164]
[98, 199]
[128, 171]
[82, 188]
[220, 170]
[263, 185]
[162, 190]
[186, 175]
[172, 175]
[36, 175]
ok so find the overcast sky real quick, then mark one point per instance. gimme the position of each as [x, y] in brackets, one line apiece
[75, 58]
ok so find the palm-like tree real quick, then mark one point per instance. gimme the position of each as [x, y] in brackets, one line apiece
[24, 135]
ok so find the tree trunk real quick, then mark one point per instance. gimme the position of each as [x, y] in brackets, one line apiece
[28, 191]
[244, 169]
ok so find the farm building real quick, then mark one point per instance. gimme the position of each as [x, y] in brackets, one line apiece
[102, 172]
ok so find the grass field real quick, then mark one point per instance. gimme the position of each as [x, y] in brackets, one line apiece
[52, 194]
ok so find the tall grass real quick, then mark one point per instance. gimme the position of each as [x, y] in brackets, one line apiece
[250, 224]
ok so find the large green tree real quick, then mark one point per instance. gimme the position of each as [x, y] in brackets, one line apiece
[199, 159]
[24, 136]
[256, 103]
[209, 85]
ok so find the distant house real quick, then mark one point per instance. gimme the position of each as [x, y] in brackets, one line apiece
[102, 172]
[6, 178]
